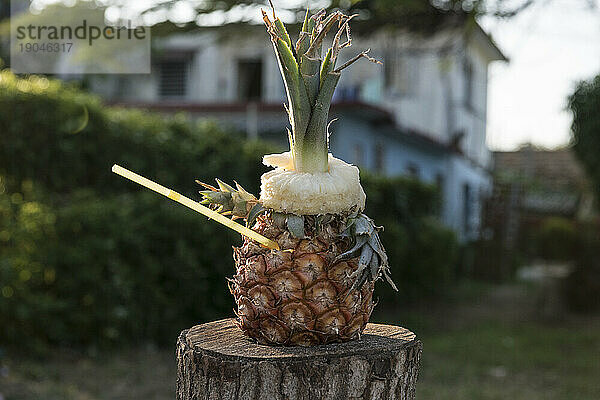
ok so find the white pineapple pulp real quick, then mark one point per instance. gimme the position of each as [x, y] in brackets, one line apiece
[333, 192]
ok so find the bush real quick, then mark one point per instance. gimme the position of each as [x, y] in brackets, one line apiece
[584, 104]
[582, 286]
[556, 239]
[87, 258]
[422, 252]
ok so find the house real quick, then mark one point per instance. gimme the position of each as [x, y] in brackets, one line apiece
[531, 185]
[549, 182]
[422, 114]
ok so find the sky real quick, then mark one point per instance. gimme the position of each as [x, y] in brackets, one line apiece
[550, 46]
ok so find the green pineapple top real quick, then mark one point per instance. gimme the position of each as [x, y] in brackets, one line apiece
[310, 81]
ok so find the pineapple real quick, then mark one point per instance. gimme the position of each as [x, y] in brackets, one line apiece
[318, 286]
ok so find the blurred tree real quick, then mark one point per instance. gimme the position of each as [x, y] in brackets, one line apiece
[501, 8]
[584, 103]
[582, 286]
[386, 10]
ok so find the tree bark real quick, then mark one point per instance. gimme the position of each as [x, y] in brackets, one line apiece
[216, 361]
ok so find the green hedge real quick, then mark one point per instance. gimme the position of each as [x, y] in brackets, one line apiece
[582, 286]
[88, 258]
[423, 254]
[556, 239]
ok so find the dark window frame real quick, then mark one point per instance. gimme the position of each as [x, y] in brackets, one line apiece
[173, 84]
[251, 70]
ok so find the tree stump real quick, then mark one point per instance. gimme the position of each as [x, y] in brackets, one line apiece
[216, 361]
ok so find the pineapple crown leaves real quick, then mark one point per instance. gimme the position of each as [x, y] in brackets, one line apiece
[373, 261]
[295, 224]
[310, 81]
[227, 200]
[292, 222]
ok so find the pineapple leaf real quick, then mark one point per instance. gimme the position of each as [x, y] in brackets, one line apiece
[299, 109]
[279, 219]
[207, 186]
[360, 242]
[326, 66]
[280, 27]
[254, 212]
[314, 146]
[239, 205]
[302, 45]
[360, 276]
[244, 193]
[310, 82]
[349, 222]
[363, 225]
[374, 267]
[306, 19]
[375, 243]
[357, 57]
[291, 140]
[309, 69]
[282, 32]
[315, 46]
[295, 224]
[228, 200]
[216, 197]
[313, 22]
[365, 257]
[299, 106]
[224, 187]
[388, 278]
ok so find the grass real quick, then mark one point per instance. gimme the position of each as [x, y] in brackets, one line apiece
[144, 373]
[492, 360]
[485, 343]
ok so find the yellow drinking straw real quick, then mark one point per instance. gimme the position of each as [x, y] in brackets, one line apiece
[194, 205]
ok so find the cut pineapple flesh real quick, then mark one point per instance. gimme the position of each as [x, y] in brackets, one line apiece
[333, 192]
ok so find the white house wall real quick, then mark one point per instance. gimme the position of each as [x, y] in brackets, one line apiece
[435, 105]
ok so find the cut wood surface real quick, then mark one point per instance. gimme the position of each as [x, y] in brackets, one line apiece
[216, 361]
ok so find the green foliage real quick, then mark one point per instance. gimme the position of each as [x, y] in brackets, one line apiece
[556, 239]
[584, 103]
[422, 253]
[87, 258]
[47, 138]
[582, 286]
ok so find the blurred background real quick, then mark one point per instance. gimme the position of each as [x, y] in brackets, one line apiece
[478, 142]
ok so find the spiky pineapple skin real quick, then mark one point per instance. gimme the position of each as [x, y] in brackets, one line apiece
[299, 295]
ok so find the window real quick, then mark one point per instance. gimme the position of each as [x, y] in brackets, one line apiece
[173, 78]
[250, 80]
[401, 73]
[468, 84]
[379, 158]
[413, 170]
[439, 182]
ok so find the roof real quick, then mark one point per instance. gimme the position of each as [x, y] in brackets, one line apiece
[350, 109]
[555, 167]
[495, 53]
